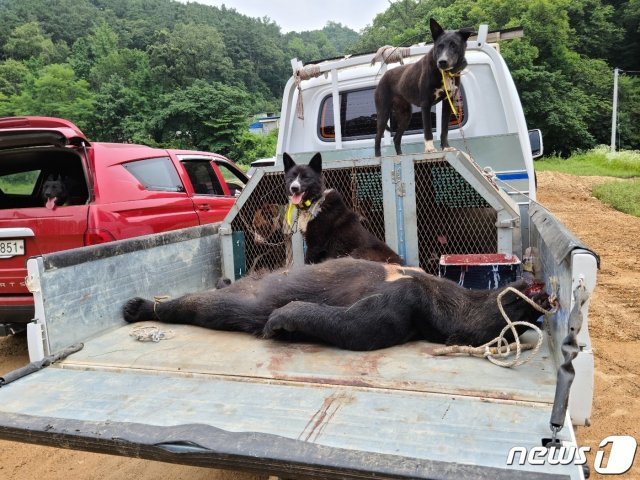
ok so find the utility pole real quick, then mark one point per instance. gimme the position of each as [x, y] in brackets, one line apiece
[614, 114]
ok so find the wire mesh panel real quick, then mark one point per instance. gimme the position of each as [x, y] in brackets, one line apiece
[361, 188]
[262, 217]
[452, 218]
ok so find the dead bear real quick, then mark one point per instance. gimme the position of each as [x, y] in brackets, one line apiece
[350, 303]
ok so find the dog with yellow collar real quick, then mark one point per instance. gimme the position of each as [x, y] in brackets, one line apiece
[330, 228]
[424, 83]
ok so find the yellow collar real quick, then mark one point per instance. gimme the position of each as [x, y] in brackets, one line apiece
[305, 205]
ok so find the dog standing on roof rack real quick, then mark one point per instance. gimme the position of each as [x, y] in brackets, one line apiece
[423, 83]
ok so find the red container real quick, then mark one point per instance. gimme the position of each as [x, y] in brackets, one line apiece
[481, 271]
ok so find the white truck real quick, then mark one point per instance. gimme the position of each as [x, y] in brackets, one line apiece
[223, 399]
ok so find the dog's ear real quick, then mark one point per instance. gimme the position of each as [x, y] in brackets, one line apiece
[465, 33]
[316, 163]
[436, 29]
[288, 162]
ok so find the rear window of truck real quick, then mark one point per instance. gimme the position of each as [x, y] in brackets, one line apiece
[358, 116]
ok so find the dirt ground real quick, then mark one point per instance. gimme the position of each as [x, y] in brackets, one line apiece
[614, 328]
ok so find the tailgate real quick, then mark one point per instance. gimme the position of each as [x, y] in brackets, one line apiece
[228, 400]
[223, 399]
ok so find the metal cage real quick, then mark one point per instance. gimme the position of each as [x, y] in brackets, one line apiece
[423, 206]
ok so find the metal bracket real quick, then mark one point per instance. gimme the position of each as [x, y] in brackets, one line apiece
[508, 223]
[396, 179]
[225, 229]
[32, 283]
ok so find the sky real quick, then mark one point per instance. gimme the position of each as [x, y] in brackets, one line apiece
[302, 15]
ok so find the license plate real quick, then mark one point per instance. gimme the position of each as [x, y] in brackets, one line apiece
[11, 248]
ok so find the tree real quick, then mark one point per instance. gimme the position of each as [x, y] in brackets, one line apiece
[27, 41]
[13, 75]
[204, 116]
[340, 36]
[189, 53]
[120, 113]
[131, 66]
[56, 92]
[248, 146]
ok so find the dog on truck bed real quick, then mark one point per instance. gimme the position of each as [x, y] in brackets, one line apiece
[329, 227]
[349, 303]
[423, 84]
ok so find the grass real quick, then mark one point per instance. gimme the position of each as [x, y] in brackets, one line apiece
[623, 196]
[17, 188]
[599, 161]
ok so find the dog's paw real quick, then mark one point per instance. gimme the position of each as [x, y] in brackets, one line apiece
[429, 147]
[137, 309]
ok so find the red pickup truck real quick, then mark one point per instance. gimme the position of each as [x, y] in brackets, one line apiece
[59, 191]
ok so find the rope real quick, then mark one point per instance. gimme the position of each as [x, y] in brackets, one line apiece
[499, 347]
[391, 54]
[305, 73]
[150, 333]
[156, 300]
[455, 110]
[446, 91]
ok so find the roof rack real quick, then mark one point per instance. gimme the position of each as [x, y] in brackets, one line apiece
[302, 72]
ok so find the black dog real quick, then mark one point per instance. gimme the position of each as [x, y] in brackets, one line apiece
[55, 191]
[421, 83]
[349, 303]
[329, 227]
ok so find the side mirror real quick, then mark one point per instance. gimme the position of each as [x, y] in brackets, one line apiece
[535, 139]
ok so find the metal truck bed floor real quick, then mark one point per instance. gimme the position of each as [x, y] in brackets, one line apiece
[401, 411]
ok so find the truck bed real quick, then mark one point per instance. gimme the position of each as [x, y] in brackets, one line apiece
[301, 409]
[229, 400]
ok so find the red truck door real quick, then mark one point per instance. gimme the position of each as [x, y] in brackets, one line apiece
[210, 195]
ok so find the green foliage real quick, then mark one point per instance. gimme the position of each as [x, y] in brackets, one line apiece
[13, 75]
[201, 116]
[55, 92]
[118, 66]
[598, 161]
[560, 66]
[251, 146]
[143, 70]
[27, 41]
[623, 196]
[340, 36]
[188, 53]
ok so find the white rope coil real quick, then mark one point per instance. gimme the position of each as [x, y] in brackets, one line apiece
[499, 347]
[390, 54]
[305, 73]
[150, 333]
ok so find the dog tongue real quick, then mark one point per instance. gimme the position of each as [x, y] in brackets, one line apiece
[51, 203]
[296, 198]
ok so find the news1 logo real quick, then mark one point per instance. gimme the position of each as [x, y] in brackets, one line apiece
[621, 455]
[619, 460]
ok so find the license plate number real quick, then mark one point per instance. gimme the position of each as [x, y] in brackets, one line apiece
[11, 248]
